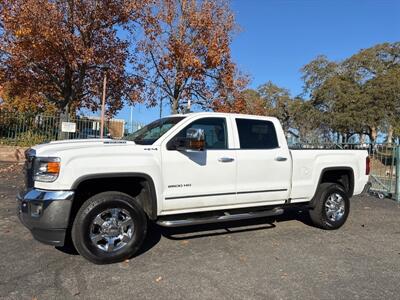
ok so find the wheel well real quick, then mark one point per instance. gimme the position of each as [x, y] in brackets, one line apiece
[141, 188]
[342, 176]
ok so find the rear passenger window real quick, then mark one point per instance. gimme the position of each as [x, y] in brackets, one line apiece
[256, 134]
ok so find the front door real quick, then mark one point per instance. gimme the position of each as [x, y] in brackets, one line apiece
[196, 180]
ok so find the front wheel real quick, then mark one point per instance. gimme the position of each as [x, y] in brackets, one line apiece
[109, 227]
[332, 206]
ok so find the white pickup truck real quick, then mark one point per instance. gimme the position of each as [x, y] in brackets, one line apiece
[177, 171]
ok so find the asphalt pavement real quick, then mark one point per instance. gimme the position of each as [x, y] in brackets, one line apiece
[259, 259]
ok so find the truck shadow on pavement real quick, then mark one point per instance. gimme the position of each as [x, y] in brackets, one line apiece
[215, 229]
[155, 232]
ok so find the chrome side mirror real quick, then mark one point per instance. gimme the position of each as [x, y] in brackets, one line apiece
[195, 139]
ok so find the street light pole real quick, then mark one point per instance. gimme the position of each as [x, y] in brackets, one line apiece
[103, 106]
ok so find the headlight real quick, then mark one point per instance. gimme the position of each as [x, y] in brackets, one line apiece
[46, 169]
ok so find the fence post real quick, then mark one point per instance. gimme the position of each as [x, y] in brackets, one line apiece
[64, 117]
[397, 162]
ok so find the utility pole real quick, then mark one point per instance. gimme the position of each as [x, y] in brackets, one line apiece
[131, 120]
[103, 106]
[161, 107]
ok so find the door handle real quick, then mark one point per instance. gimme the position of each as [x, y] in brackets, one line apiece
[226, 159]
[280, 158]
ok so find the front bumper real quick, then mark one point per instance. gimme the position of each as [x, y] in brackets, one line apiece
[45, 214]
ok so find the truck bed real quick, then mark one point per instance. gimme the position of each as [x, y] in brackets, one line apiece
[308, 165]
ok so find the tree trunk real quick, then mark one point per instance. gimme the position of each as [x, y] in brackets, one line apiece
[64, 117]
[390, 135]
[362, 139]
[373, 134]
[174, 106]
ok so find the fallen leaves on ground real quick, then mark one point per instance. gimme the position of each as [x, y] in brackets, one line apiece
[9, 168]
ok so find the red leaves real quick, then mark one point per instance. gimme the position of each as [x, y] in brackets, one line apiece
[187, 49]
[246, 102]
[60, 50]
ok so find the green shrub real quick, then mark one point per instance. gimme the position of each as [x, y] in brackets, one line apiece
[29, 138]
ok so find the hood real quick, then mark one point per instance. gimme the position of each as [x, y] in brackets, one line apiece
[53, 148]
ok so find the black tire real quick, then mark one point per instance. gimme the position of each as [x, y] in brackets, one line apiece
[319, 215]
[96, 205]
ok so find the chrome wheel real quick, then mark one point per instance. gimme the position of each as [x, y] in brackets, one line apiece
[112, 229]
[335, 207]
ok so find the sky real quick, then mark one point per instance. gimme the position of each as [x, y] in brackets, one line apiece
[278, 37]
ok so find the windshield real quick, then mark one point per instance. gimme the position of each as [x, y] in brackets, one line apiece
[153, 131]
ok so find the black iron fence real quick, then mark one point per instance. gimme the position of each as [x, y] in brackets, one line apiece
[28, 129]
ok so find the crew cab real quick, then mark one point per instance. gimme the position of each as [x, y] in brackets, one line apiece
[180, 170]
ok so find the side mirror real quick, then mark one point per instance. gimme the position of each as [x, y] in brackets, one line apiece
[195, 139]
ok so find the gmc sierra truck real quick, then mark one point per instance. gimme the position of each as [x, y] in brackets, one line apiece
[180, 170]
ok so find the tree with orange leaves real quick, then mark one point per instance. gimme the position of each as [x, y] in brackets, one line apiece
[60, 50]
[247, 102]
[24, 102]
[186, 51]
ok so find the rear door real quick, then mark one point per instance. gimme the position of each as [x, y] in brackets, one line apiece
[263, 162]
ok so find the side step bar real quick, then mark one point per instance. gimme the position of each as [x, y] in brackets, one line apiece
[226, 217]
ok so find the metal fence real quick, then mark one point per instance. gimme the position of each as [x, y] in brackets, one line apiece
[28, 129]
[385, 170]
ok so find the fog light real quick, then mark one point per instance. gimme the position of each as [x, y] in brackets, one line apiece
[24, 207]
[36, 209]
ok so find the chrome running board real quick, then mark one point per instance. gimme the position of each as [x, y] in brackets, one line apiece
[225, 217]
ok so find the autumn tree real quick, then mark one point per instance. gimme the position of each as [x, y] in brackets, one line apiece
[186, 51]
[60, 50]
[254, 104]
[268, 99]
[246, 102]
[23, 102]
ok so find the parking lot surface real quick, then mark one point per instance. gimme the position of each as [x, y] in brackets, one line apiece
[284, 258]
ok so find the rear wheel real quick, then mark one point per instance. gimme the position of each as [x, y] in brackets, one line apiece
[109, 227]
[332, 206]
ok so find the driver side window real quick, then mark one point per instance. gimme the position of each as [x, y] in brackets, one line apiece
[216, 136]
